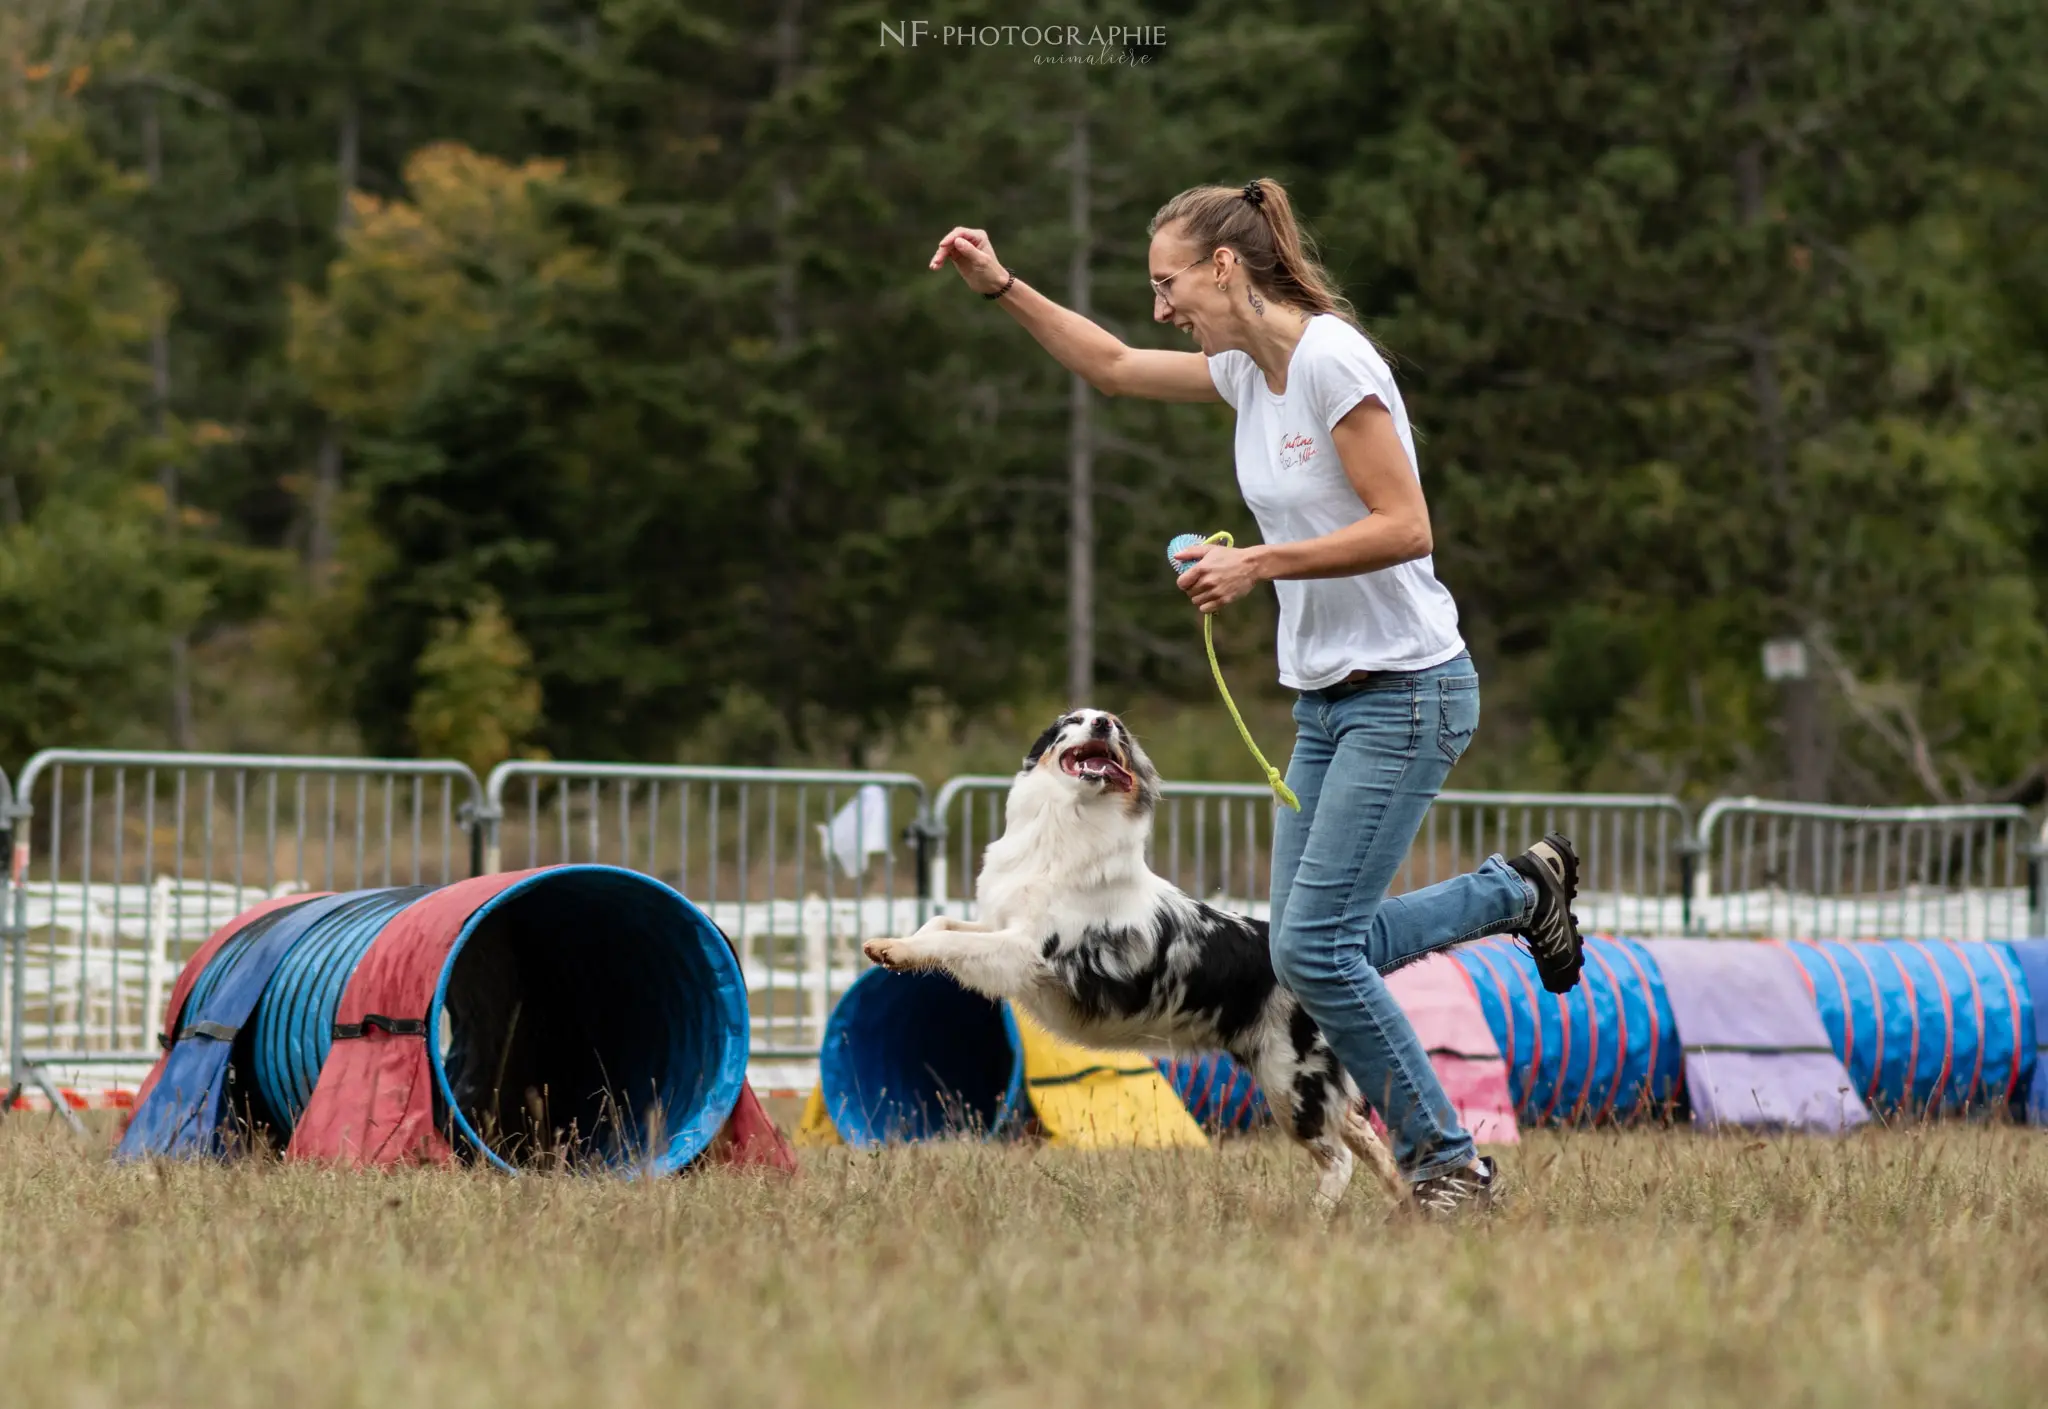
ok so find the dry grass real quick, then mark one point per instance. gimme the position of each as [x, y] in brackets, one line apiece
[1897, 1268]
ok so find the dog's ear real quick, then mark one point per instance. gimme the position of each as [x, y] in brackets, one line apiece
[1045, 741]
[1145, 796]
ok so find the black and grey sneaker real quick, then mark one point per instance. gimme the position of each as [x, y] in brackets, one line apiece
[1458, 1193]
[1553, 930]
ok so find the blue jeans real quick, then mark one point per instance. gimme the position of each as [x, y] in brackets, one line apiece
[1366, 767]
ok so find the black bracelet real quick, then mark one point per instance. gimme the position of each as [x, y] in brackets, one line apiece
[1009, 284]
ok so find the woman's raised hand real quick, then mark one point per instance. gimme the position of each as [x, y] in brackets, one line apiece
[975, 258]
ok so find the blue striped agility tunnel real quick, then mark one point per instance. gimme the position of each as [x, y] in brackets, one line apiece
[585, 1016]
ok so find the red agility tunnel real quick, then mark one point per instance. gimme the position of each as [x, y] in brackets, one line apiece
[579, 1015]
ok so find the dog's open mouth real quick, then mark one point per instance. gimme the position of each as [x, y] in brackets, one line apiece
[1093, 759]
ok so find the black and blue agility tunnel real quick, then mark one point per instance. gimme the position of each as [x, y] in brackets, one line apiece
[606, 995]
[586, 1015]
[207, 1074]
[2031, 955]
[1927, 1027]
[914, 1056]
[295, 1017]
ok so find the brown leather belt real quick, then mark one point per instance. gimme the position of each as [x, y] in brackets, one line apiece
[1344, 689]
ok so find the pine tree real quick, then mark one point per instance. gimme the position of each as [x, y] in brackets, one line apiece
[87, 595]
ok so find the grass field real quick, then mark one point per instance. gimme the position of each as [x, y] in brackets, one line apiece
[1896, 1268]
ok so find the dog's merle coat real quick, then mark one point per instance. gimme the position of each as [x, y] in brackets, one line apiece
[1077, 929]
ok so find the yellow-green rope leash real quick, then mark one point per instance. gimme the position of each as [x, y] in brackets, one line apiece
[1189, 540]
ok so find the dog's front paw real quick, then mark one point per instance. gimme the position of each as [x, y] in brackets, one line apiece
[893, 954]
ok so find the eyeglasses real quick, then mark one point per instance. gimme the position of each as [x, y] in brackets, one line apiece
[1160, 287]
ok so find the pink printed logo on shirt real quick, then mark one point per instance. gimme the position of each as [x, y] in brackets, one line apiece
[1296, 450]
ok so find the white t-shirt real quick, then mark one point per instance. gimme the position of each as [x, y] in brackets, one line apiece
[1399, 618]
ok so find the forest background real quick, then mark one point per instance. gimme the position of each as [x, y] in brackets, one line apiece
[563, 377]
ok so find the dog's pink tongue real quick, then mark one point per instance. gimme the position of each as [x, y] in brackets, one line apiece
[1105, 768]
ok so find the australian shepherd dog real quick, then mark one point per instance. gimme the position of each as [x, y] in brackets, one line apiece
[1076, 929]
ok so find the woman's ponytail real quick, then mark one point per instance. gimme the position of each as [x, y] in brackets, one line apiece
[1257, 220]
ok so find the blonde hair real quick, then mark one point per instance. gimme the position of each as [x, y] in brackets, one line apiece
[1257, 221]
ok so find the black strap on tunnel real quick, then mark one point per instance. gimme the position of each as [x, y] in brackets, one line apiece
[397, 1027]
[219, 1032]
[1069, 1078]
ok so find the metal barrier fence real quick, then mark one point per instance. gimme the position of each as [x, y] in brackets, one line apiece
[7, 865]
[123, 863]
[1632, 849]
[1214, 840]
[2037, 886]
[797, 866]
[1790, 870]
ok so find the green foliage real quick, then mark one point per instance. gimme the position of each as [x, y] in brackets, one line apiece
[76, 301]
[1689, 297]
[88, 595]
[1717, 322]
[86, 602]
[478, 700]
[1593, 665]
